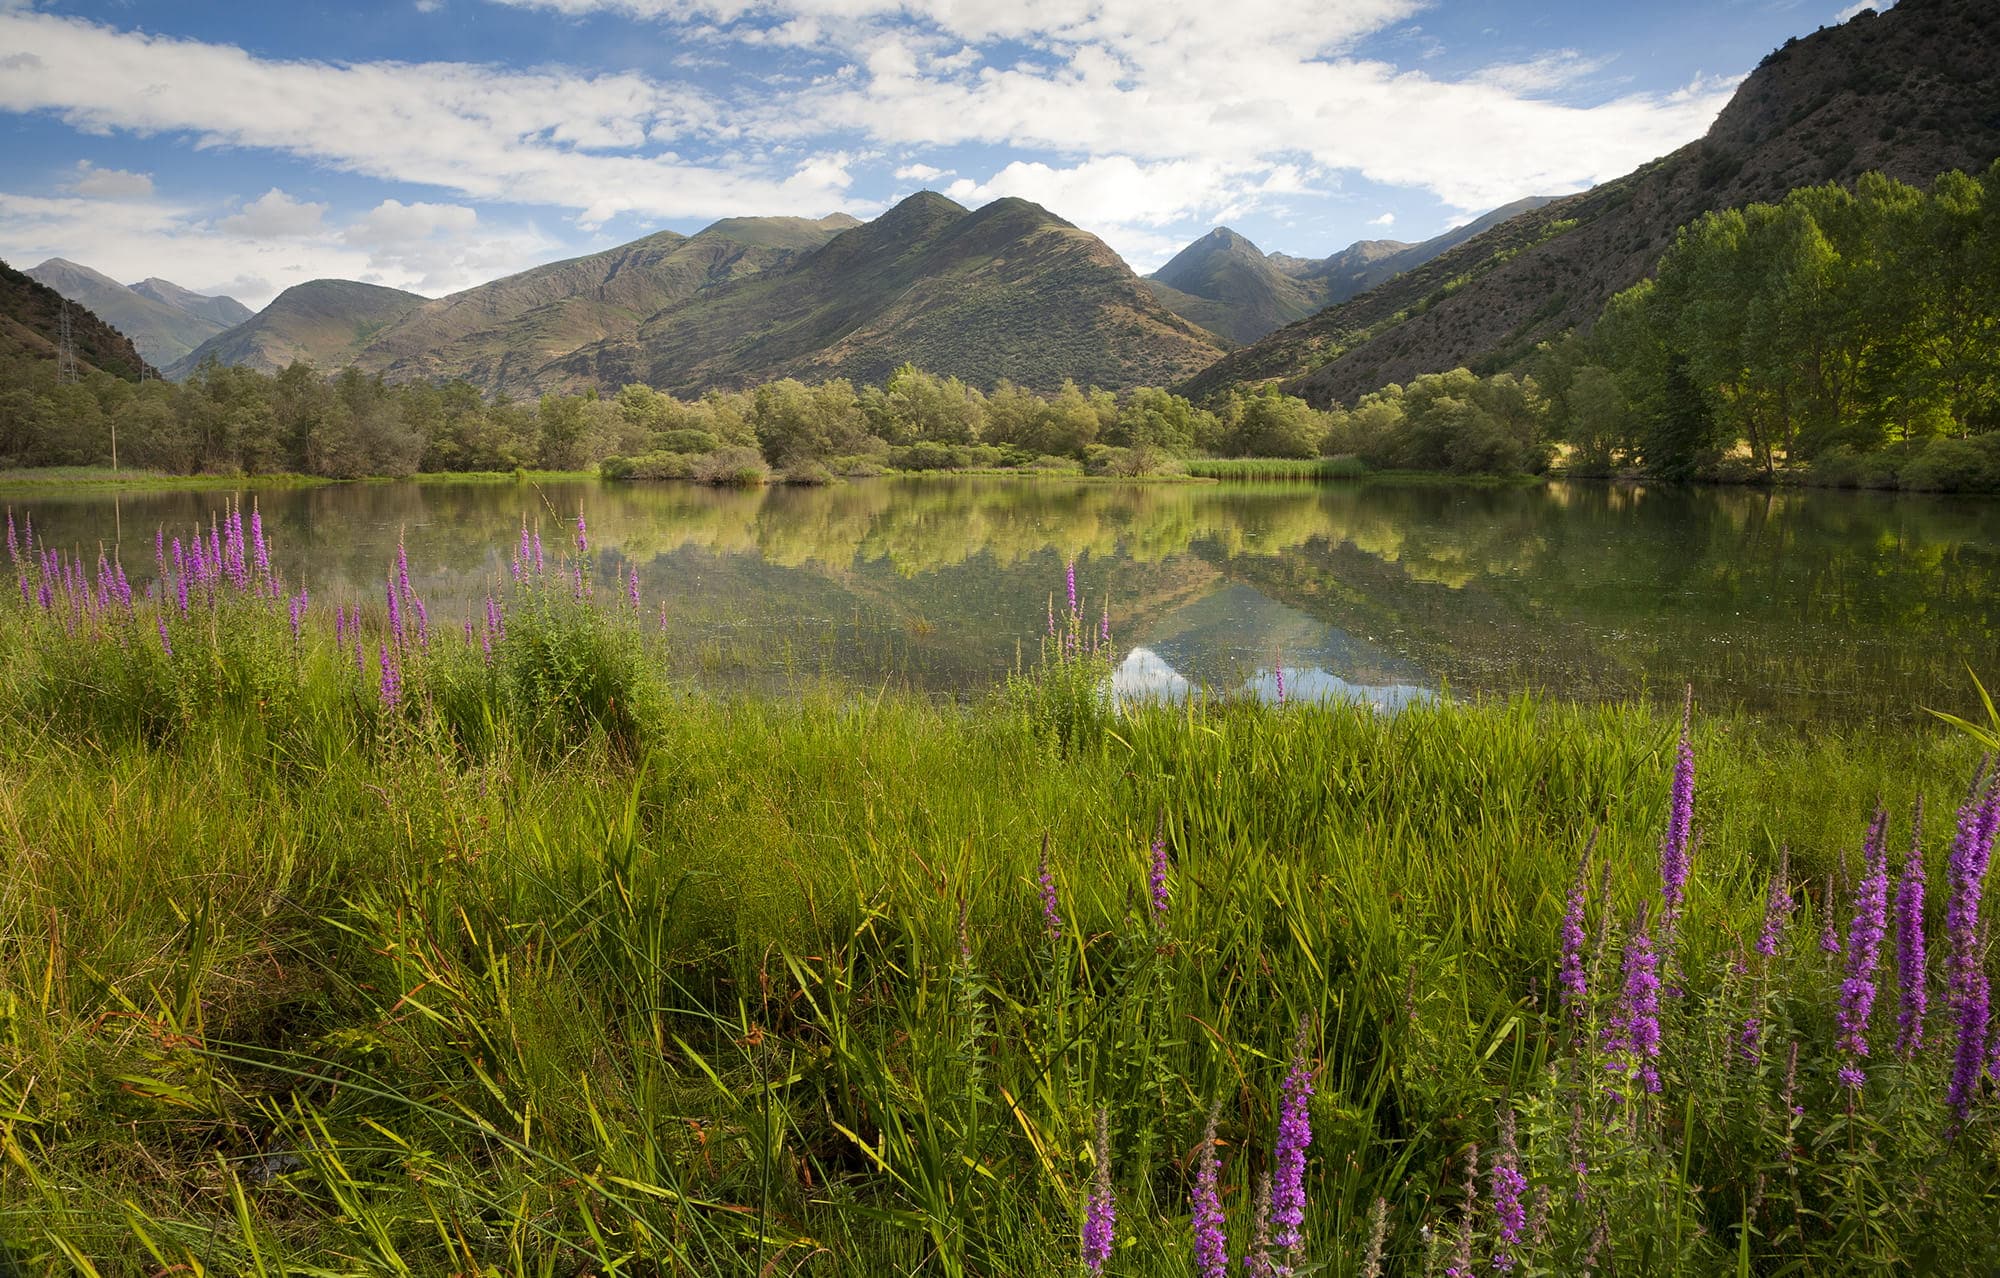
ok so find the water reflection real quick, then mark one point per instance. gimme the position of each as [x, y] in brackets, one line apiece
[1802, 605]
[1145, 675]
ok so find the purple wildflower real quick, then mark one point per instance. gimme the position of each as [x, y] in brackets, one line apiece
[582, 535]
[423, 620]
[632, 589]
[1637, 1025]
[392, 680]
[1069, 577]
[1280, 667]
[1288, 1183]
[538, 552]
[1911, 962]
[166, 645]
[13, 539]
[1864, 941]
[1507, 1183]
[340, 626]
[395, 613]
[1965, 977]
[403, 569]
[1051, 918]
[1101, 1211]
[1680, 823]
[1158, 876]
[298, 609]
[1211, 1244]
[262, 551]
[1052, 615]
[1570, 972]
[1829, 933]
[1461, 1251]
[1777, 906]
[1104, 627]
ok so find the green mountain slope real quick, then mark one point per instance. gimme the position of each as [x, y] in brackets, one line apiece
[221, 310]
[1227, 285]
[162, 331]
[1910, 92]
[1008, 291]
[30, 324]
[326, 323]
[500, 335]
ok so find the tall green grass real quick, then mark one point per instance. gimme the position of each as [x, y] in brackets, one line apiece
[1276, 467]
[555, 968]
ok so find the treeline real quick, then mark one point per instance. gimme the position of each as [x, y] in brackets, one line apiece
[239, 420]
[1855, 334]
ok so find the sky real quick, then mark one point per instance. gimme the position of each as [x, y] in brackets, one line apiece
[432, 145]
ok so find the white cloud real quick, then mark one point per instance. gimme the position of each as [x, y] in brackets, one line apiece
[1385, 219]
[1856, 10]
[136, 238]
[921, 173]
[108, 184]
[274, 215]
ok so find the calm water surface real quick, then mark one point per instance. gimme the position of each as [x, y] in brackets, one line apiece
[1808, 606]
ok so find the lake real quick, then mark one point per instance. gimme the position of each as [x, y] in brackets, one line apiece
[1816, 606]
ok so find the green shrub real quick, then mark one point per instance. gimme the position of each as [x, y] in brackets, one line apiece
[1955, 466]
[686, 441]
[738, 467]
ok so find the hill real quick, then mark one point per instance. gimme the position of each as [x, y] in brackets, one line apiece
[30, 323]
[164, 323]
[326, 323]
[500, 335]
[222, 310]
[1909, 92]
[1009, 291]
[1228, 285]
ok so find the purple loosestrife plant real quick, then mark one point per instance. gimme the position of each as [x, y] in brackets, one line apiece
[395, 614]
[1638, 1020]
[1777, 906]
[13, 539]
[1967, 992]
[1461, 1250]
[1280, 668]
[257, 544]
[1829, 931]
[1507, 1185]
[1045, 876]
[632, 589]
[1211, 1244]
[1100, 1217]
[1157, 873]
[1912, 964]
[392, 680]
[166, 644]
[1570, 971]
[1069, 578]
[582, 534]
[1680, 826]
[1257, 1257]
[1864, 943]
[1288, 1181]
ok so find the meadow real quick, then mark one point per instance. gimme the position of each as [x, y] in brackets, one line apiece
[337, 937]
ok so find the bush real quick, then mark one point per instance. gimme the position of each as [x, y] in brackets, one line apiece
[738, 467]
[686, 441]
[1955, 466]
[1842, 467]
[927, 455]
[648, 466]
[808, 473]
[1131, 463]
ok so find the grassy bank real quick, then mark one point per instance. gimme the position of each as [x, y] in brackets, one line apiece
[514, 958]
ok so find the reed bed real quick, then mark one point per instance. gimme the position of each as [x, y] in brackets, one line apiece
[344, 939]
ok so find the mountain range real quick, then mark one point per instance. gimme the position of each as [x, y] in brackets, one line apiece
[1011, 290]
[1229, 286]
[164, 320]
[1910, 92]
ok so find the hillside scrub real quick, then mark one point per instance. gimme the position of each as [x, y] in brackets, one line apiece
[344, 939]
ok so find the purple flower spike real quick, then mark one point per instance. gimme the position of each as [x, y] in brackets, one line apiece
[1211, 1244]
[632, 589]
[1967, 992]
[298, 609]
[1104, 627]
[1635, 1030]
[1051, 918]
[1864, 941]
[395, 613]
[538, 552]
[1913, 995]
[1069, 577]
[1157, 878]
[340, 626]
[1680, 824]
[392, 680]
[262, 551]
[1777, 906]
[1101, 1211]
[13, 540]
[1569, 975]
[582, 535]
[166, 645]
[1288, 1183]
[1504, 1174]
[1280, 667]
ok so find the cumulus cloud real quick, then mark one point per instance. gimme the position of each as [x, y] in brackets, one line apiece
[108, 184]
[1384, 219]
[920, 173]
[274, 215]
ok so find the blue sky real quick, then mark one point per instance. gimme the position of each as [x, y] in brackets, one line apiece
[434, 144]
